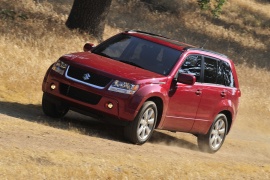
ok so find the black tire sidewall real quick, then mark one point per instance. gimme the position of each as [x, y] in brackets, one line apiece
[204, 140]
[51, 109]
[131, 130]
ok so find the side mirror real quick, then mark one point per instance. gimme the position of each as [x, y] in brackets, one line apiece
[88, 47]
[186, 79]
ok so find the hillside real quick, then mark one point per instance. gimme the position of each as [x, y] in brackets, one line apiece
[33, 35]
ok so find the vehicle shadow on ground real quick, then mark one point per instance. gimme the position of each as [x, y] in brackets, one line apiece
[83, 124]
[162, 138]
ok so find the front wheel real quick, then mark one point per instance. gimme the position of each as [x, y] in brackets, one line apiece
[142, 127]
[213, 140]
[52, 109]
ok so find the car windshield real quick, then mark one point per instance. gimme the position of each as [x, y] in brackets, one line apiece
[140, 53]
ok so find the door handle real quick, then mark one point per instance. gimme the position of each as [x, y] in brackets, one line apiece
[198, 92]
[223, 94]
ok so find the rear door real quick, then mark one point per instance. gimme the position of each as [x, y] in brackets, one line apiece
[215, 92]
[212, 93]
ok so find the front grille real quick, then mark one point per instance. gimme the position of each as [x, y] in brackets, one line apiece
[87, 77]
[79, 94]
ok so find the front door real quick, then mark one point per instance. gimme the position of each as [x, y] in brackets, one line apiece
[184, 99]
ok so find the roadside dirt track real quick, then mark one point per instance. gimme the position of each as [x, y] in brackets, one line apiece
[34, 146]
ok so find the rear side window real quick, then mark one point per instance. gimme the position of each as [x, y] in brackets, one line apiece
[210, 70]
[217, 72]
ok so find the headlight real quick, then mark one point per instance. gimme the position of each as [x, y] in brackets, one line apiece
[59, 67]
[123, 87]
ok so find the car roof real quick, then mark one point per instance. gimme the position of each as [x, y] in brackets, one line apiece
[172, 43]
[159, 39]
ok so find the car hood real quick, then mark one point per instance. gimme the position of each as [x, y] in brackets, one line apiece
[112, 68]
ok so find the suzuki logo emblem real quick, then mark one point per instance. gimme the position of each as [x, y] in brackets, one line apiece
[86, 76]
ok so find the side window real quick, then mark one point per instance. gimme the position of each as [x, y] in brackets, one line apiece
[210, 70]
[225, 76]
[192, 65]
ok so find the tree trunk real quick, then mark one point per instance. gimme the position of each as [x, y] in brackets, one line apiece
[89, 16]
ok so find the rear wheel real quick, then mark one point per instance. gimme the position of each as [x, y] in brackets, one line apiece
[53, 109]
[213, 140]
[142, 127]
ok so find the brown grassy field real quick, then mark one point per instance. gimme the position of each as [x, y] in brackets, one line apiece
[32, 146]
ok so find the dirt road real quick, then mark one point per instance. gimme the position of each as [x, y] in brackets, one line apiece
[33, 146]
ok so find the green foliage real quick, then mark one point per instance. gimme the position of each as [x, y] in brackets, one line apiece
[204, 4]
[217, 10]
[11, 14]
[7, 14]
[215, 7]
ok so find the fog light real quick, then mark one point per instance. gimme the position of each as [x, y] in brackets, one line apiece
[109, 105]
[53, 86]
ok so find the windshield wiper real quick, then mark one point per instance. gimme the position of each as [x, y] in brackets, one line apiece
[132, 63]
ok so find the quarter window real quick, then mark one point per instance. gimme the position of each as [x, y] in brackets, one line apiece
[225, 76]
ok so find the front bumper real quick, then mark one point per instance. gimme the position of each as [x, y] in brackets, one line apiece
[88, 99]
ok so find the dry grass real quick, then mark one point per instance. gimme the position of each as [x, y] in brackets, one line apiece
[58, 159]
[29, 45]
[40, 152]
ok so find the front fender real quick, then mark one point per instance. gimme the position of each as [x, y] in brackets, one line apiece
[146, 92]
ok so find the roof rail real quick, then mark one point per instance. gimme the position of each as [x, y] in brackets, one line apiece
[206, 50]
[143, 32]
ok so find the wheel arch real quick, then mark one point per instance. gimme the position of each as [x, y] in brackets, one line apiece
[160, 105]
[228, 115]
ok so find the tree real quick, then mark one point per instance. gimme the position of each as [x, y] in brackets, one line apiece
[89, 16]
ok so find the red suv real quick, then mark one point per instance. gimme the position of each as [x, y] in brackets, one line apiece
[146, 81]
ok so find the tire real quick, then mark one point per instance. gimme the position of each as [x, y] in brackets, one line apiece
[142, 127]
[53, 109]
[213, 140]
